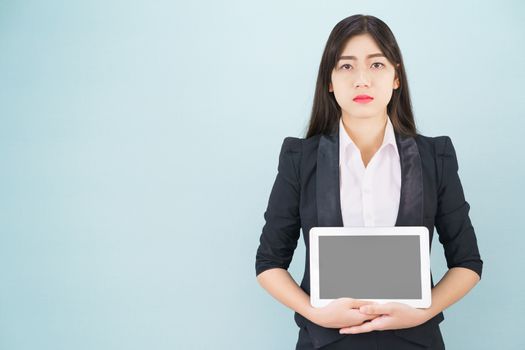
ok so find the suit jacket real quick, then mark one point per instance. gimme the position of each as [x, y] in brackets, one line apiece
[306, 194]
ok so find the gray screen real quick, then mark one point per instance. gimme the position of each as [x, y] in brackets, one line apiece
[369, 267]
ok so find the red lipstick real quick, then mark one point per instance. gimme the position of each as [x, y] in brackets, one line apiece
[363, 98]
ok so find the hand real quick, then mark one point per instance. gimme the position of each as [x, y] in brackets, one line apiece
[391, 316]
[341, 312]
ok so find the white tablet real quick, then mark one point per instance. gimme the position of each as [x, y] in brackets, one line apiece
[380, 264]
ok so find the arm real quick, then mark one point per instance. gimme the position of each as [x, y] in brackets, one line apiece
[452, 220]
[456, 234]
[457, 282]
[280, 233]
[281, 230]
[283, 287]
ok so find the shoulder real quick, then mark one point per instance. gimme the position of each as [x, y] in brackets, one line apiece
[291, 144]
[300, 145]
[441, 150]
[435, 146]
[299, 154]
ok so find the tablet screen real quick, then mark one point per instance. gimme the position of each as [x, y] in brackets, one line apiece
[376, 267]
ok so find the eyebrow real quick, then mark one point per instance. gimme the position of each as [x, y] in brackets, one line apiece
[355, 58]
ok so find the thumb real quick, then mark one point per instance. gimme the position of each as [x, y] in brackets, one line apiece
[357, 303]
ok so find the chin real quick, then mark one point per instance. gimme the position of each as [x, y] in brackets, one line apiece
[363, 115]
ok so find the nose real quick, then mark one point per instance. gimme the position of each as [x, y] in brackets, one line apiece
[361, 80]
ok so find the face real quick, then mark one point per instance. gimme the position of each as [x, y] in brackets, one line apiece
[363, 74]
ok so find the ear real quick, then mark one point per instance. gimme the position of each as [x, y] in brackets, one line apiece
[396, 79]
[330, 88]
[396, 83]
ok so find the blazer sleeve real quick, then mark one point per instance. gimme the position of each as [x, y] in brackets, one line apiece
[281, 230]
[452, 220]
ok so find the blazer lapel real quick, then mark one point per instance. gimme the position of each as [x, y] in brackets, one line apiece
[410, 211]
[327, 182]
[411, 197]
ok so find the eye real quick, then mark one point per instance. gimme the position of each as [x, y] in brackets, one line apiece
[347, 66]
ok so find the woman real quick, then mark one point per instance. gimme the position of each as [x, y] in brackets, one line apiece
[363, 163]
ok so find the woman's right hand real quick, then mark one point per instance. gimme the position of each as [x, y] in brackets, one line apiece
[341, 312]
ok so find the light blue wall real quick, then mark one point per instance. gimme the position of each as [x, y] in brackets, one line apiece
[139, 142]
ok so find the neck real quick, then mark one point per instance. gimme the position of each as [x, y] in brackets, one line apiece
[366, 133]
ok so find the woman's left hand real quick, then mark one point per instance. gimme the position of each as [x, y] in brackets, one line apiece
[393, 316]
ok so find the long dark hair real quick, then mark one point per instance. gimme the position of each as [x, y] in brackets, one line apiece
[325, 110]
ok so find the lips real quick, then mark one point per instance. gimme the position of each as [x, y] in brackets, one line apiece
[363, 98]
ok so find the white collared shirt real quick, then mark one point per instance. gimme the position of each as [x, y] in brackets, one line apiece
[369, 196]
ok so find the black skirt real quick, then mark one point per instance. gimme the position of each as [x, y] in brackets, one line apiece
[375, 340]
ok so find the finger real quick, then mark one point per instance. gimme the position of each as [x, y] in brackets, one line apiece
[378, 323]
[345, 299]
[376, 309]
[351, 301]
[363, 317]
[357, 303]
[363, 328]
[370, 316]
[354, 315]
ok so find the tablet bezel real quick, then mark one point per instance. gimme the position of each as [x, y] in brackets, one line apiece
[421, 231]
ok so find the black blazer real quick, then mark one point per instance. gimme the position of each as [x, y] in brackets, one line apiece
[306, 194]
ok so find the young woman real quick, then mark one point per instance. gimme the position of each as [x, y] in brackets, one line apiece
[363, 163]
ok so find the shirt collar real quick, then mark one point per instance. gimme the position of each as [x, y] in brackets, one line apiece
[389, 139]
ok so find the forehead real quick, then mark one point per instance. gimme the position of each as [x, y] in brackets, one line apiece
[360, 46]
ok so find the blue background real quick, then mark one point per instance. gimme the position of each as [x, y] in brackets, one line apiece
[139, 142]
